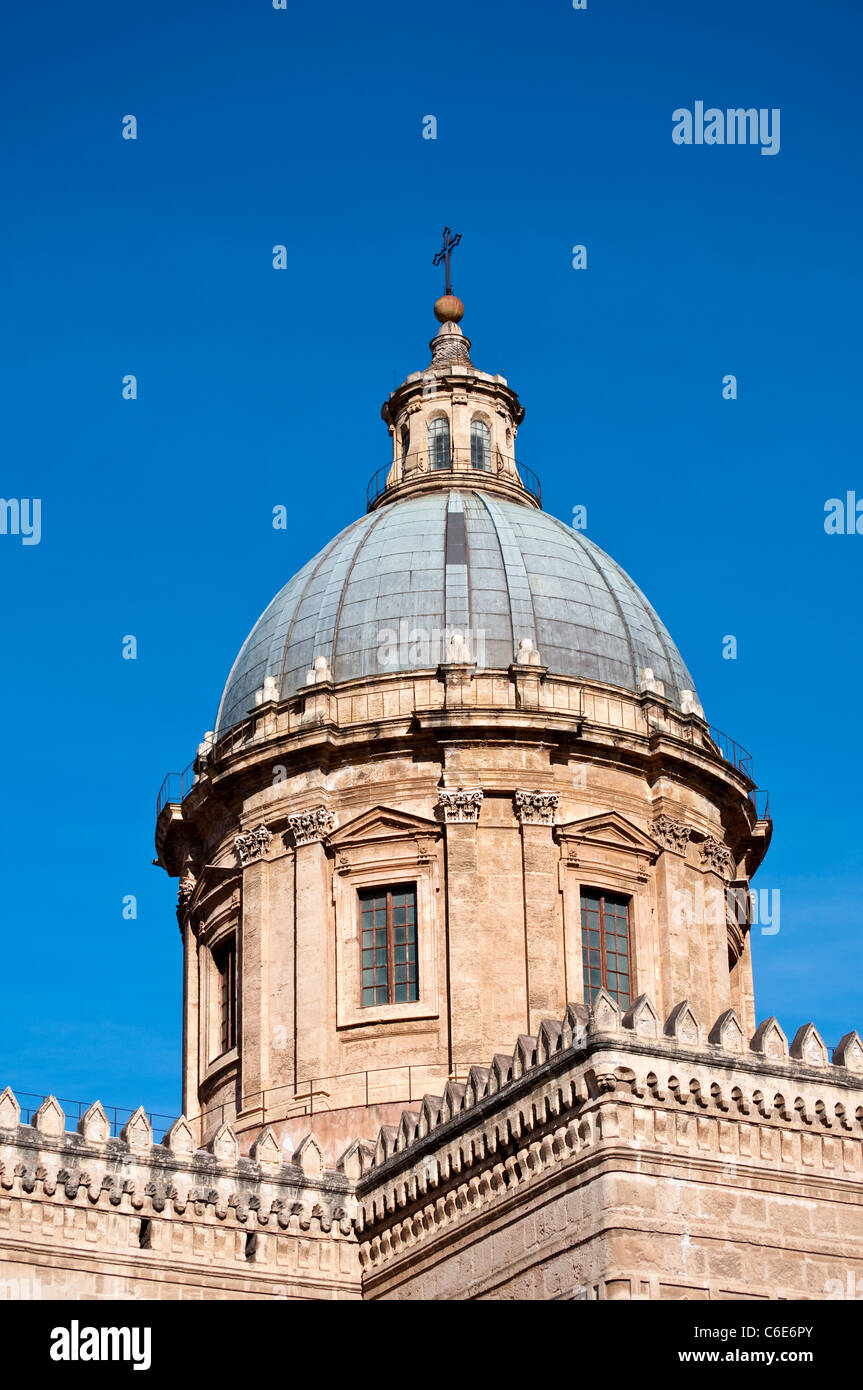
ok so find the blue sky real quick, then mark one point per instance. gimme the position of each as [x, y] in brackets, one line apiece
[154, 257]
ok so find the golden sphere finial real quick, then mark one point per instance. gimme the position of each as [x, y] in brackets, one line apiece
[449, 309]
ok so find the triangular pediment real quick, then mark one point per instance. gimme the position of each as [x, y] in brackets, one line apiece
[611, 830]
[382, 823]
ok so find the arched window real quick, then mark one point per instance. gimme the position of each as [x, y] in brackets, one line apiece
[480, 445]
[406, 440]
[438, 440]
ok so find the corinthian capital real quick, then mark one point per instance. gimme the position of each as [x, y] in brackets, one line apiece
[536, 808]
[458, 806]
[671, 834]
[311, 825]
[252, 844]
[718, 857]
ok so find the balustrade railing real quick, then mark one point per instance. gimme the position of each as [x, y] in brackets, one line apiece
[469, 464]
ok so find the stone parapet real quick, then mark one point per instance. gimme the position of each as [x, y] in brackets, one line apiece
[84, 1214]
[610, 1156]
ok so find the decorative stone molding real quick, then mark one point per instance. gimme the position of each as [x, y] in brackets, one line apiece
[320, 673]
[10, 1110]
[642, 1018]
[252, 845]
[682, 1025]
[94, 1126]
[671, 834]
[717, 857]
[808, 1046]
[648, 683]
[450, 346]
[849, 1052]
[205, 747]
[459, 807]
[770, 1040]
[268, 693]
[536, 808]
[186, 891]
[727, 1033]
[551, 1104]
[308, 826]
[526, 653]
[138, 1132]
[175, 1179]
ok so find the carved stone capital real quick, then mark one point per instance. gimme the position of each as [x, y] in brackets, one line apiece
[536, 808]
[671, 834]
[458, 806]
[252, 844]
[188, 884]
[718, 857]
[312, 825]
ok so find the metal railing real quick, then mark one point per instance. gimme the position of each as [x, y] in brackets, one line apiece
[468, 463]
[732, 752]
[74, 1110]
[761, 801]
[176, 787]
[365, 1091]
[739, 758]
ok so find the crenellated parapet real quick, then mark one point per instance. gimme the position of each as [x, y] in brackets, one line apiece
[253, 1225]
[602, 1105]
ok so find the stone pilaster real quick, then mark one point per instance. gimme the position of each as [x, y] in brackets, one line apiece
[252, 987]
[191, 1020]
[535, 811]
[315, 966]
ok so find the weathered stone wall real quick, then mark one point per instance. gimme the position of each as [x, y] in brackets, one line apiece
[565, 785]
[610, 1158]
[606, 1157]
[85, 1215]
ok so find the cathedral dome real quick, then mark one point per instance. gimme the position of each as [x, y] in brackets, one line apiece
[387, 594]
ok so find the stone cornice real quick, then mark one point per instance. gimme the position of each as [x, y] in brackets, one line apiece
[351, 720]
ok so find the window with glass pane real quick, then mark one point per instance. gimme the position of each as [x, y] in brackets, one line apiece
[605, 944]
[406, 440]
[388, 919]
[225, 958]
[438, 439]
[480, 445]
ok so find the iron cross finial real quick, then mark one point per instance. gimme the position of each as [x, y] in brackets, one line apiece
[451, 240]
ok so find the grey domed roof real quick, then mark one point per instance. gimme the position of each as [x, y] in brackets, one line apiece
[455, 560]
